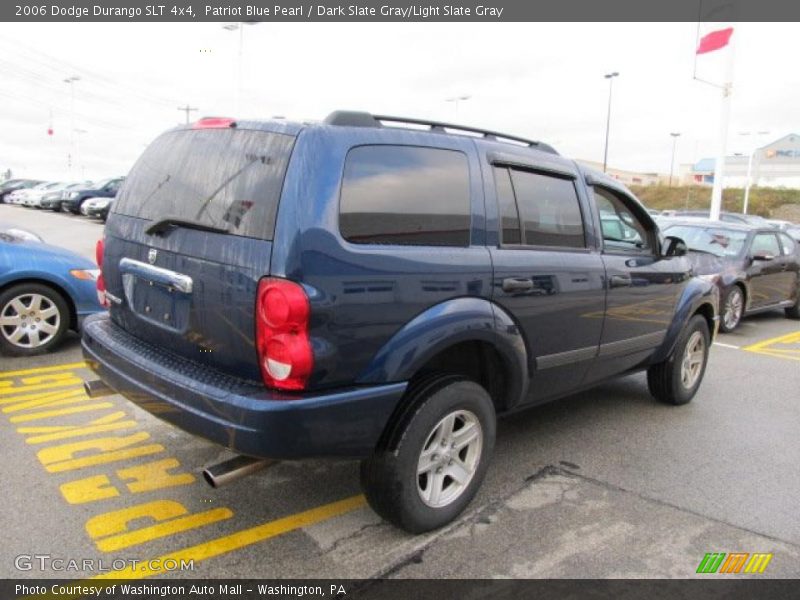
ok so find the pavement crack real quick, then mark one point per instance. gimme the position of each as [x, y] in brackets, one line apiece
[480, 515]
[641, 496]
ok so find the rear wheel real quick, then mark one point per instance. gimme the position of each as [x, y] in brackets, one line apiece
[677, 379]
[435, 455]
[33, 319]
[793, 312]
[732, 309]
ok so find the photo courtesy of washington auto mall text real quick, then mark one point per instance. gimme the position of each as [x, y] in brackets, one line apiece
[395, 299]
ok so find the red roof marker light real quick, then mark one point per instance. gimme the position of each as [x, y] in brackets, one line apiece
[214, 123]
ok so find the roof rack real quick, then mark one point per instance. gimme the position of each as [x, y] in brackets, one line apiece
[347, 118]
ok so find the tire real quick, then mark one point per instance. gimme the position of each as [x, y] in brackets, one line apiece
[20, 333]
[731, 309]
[675, 380]
[793, 312]
[419, 501]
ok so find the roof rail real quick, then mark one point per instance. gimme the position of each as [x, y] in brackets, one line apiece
[346, 118]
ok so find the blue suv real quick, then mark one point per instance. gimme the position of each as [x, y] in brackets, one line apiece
[381, 288]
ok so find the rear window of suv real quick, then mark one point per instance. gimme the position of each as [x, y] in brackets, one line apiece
[405, 195]
[229, 178]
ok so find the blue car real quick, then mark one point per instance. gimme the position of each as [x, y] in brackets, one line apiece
[44, 292]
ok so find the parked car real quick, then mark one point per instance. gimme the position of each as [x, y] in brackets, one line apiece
[358, 288]
[755, 268]
[73, 199]
[97, 207]
[13, 185]
[727, 217]
[780, 224]
[32, 197]
[44, 292]
[52, 199]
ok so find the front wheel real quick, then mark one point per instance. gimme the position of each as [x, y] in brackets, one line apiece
[435, 455]
[677, 379]
[732, 309]
[33, 319]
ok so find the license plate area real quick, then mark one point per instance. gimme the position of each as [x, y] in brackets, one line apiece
[157, 295]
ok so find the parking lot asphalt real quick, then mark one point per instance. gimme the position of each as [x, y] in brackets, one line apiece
[607, 483]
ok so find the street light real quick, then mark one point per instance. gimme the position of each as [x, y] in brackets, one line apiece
[456, 99]
[80, 132]
[610, 77]
[675, 137]
[239, 27]
[750, 170]
[71, 82]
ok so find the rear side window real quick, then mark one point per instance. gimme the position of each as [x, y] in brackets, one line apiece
[405, 195]
[765, 243]
[538, 209]
[229, 178]
[788, 244]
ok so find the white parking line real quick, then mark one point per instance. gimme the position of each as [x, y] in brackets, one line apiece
[727, 345]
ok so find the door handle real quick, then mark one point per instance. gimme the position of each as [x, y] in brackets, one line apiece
[515, 284]
[620, 281]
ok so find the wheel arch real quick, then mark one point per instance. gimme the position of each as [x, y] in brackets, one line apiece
[470, 337]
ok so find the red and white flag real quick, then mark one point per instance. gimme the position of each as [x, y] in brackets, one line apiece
[715, 40]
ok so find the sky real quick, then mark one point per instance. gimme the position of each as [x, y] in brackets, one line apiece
[543, 81]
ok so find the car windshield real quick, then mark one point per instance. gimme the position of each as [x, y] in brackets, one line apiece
[714, 240]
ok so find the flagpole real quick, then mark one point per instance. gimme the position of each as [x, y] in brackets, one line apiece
[724, 118]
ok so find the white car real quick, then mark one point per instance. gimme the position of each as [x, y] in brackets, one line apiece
[33, 196]
[90, 206]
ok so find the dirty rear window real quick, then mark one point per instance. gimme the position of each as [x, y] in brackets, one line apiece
[228, 178]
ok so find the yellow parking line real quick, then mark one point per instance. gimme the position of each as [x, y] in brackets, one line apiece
[770, 347]
[65, 367]
[213, 548]
[240, 539]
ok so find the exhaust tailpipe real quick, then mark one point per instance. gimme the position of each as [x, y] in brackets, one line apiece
[97, 389]
[235, 468]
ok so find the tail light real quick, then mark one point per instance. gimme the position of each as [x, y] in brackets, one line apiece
[99, 249]
[284, 349]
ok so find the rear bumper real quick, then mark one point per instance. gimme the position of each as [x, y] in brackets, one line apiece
[237, 414]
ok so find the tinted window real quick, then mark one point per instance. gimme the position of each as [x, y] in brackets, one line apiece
[405, 195]
[548, 209]
[765, 243]
[621, 229]
[509, 217]
[228, 178]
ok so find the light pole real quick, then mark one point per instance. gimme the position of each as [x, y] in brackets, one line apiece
[80, 132]
[749, 181]
[456, 99]
[240, 28]
[675, 137]
[610, 77]
[71, 82]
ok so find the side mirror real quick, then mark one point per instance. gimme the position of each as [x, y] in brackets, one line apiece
[674, 246]
[763, 256]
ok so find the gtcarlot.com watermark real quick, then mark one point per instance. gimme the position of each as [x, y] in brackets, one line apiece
[48, 562]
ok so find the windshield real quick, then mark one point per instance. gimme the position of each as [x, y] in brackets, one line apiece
[714, 240]
[225, 178]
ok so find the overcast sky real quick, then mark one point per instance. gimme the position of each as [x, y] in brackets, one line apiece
[543, 81]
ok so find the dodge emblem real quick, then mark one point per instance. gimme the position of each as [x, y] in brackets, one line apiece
[152, 255]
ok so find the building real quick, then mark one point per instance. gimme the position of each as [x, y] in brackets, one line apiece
[629, 177]
[775, 165]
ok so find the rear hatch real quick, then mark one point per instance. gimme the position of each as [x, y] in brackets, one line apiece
[189, 238]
